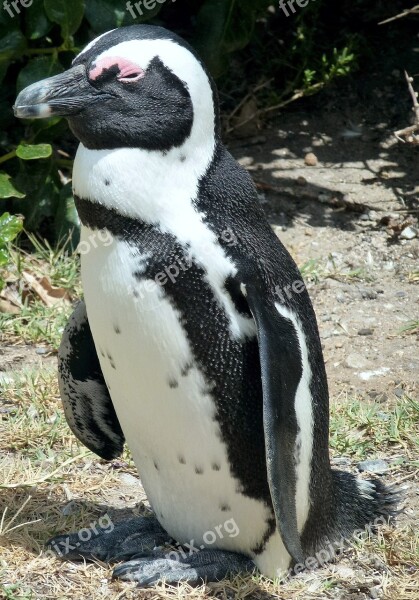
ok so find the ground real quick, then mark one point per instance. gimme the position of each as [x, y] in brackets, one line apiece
[349, 221]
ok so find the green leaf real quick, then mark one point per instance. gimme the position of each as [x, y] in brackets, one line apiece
[31, 178]
[12, 43]
[38, 68]
[7, 189]
[66, 219]
[10, 227]
[37, 24]
[48, 130]
[4, 259]
[103, 15]
[68, 15]
[223, 26]
[33, 151]
[41, 206]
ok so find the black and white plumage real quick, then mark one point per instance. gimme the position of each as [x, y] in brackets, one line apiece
[215, 380]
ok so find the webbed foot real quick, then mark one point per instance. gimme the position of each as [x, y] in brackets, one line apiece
[135, 537]
[204, 565]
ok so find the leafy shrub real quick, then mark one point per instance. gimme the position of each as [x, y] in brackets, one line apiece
[40, 42]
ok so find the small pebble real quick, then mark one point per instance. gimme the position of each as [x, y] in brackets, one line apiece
[301, 180]
[409, 233]
[128, 479]
[368, 294]
[310, 159]
[355, 361]
[373, 466]
[365, 331]
[41, 350]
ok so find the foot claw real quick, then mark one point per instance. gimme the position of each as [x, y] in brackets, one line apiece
[207, 565]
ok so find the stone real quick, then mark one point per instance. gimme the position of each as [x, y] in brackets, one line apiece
[355, 361]
[311, 159]
[367, 294]
[409, 233]
[373, 466]
[40, 350]
[128, 479]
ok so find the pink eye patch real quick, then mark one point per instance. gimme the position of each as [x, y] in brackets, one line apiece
[128, 71]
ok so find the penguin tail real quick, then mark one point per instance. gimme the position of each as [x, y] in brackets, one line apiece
[364, 503]
[356, 508]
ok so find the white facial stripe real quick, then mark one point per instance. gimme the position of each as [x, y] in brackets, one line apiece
[304, 413]
[93, 42]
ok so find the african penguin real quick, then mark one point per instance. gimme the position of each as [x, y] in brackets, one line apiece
[197, 342]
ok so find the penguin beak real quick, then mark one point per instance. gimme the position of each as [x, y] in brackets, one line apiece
[63, 95]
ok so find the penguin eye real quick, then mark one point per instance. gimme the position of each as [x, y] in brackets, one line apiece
[130, 74]
[126, 70]
[131, 78]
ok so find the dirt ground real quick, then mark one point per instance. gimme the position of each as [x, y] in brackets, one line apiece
[335, 214]
[350, 221]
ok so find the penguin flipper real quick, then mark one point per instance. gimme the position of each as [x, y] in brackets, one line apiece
[281, 371]
[87, 404]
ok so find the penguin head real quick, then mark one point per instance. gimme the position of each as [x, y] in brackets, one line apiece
[139, 86]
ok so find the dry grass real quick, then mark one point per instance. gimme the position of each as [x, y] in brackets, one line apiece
[49, 483]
